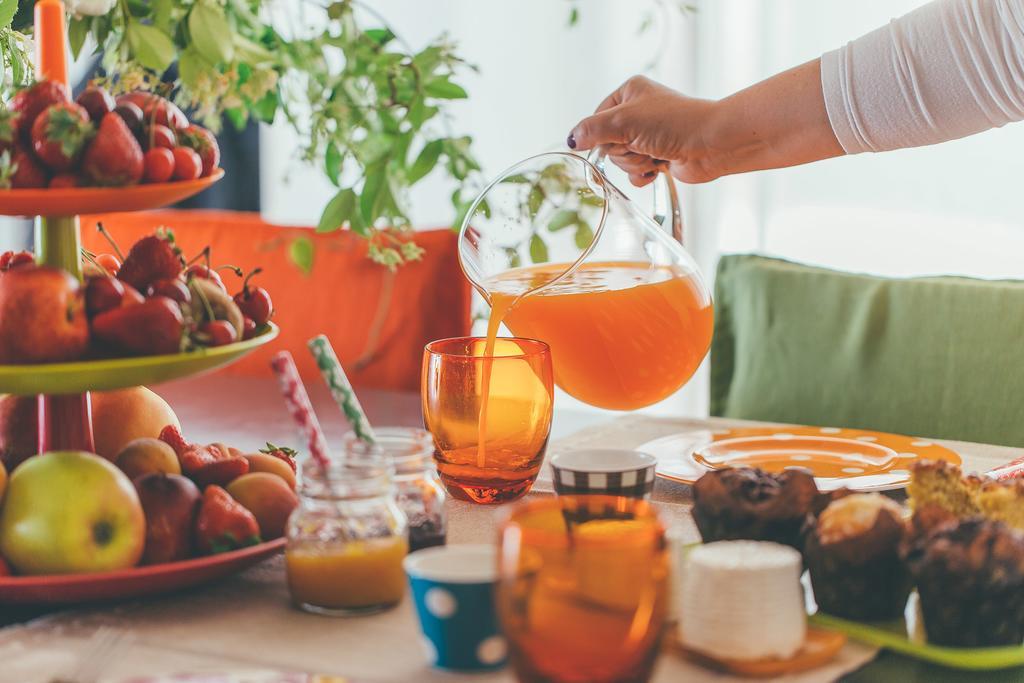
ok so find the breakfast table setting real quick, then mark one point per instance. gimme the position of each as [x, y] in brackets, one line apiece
[162, 522]
[244, 625]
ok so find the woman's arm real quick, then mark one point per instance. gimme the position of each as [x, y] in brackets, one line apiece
[778, 122]
[948, 69]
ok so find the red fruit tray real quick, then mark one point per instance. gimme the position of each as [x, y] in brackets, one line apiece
[69, 589]
[73, 201]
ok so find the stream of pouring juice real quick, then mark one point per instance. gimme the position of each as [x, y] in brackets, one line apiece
[623, 335]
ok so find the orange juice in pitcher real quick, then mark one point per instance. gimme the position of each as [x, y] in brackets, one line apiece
[628, 319]
[623, 335]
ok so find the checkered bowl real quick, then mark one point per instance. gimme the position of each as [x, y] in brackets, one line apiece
[616, 472]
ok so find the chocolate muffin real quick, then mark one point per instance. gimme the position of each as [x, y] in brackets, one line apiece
[750, 504]
[970, 578]
[853, 554]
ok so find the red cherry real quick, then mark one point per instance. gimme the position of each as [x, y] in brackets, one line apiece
[96, 101]
[161, 136]
[12, 259]
[255, 302]
[187, 164]
[173, 289]
[103, 293]
[158, 165]
[108, 262]
[248, 328]
[219, 332]
[204, 272]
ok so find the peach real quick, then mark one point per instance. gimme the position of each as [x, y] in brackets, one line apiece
[268, 498]
[145, 456]
[125, 415]
[261, 462]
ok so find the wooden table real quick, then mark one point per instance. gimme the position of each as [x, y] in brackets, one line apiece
[245, 622]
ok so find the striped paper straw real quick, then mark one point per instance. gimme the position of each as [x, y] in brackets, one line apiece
[297, 400]
[341, 389]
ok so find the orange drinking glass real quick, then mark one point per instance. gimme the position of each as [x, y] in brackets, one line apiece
[489, 412]
[582, 589]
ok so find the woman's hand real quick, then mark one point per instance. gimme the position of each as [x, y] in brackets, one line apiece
[646, 127]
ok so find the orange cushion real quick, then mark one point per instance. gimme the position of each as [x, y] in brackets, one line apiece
[378, 321]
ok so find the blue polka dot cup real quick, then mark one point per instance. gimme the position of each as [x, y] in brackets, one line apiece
[453, 589]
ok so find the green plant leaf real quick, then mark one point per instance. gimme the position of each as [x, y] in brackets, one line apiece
[332, 162]
[538, 249]
[152, 47]
[535, 200]
[337, 211]
[381, 36]
[266, 108]
[211, 32]
[8, 8]
[562, 219]
[78, 31]
[301, 253]
[426, 161]
[584, 235]
[516, 178]
[444, 89]
[191, 66]
[574, 16]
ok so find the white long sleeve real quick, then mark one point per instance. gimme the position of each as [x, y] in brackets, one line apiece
[946, 70]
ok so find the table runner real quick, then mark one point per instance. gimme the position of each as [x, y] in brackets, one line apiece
[245, 623]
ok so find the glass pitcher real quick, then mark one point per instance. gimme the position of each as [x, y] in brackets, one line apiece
[562, 255]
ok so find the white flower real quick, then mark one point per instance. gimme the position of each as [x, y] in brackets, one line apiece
[89, 8]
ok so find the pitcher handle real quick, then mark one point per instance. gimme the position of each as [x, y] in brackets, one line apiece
[672, 219]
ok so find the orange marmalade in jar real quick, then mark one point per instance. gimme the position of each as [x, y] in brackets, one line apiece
[346, 540]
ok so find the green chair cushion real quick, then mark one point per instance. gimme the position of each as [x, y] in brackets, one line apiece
[936, 356]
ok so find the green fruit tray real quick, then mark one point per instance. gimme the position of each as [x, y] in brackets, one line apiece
[117, 373]
[906, 636]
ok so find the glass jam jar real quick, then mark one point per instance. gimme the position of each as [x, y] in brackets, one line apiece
[418, 490]
[346, 540]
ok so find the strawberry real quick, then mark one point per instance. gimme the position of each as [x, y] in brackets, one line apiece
[152, 258]
[19, 169]
[9, 121]
[171, 436]
[223, 524]
[60, 134]
[197, 457]
[205, 144]
[30, 102]
[220, 472]
[156, 109]
[282, 453]
[152, 327]
[114, 157]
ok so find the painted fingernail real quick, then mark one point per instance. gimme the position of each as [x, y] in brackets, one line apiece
[650, 174]
[571, 141]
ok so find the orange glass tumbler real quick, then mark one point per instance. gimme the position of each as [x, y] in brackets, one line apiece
[489, 412]
[583, 589]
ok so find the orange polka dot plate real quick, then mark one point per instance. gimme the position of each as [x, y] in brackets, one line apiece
[852, 458]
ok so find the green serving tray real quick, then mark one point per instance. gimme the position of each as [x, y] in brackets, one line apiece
[906, 636]
[118, 373]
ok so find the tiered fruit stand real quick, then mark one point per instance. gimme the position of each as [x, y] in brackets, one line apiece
[64, 409]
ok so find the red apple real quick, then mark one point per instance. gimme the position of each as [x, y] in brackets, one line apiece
[42, 316]
[170, 502]
[70, 512]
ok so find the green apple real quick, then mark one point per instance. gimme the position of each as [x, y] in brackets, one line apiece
[70, 512]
